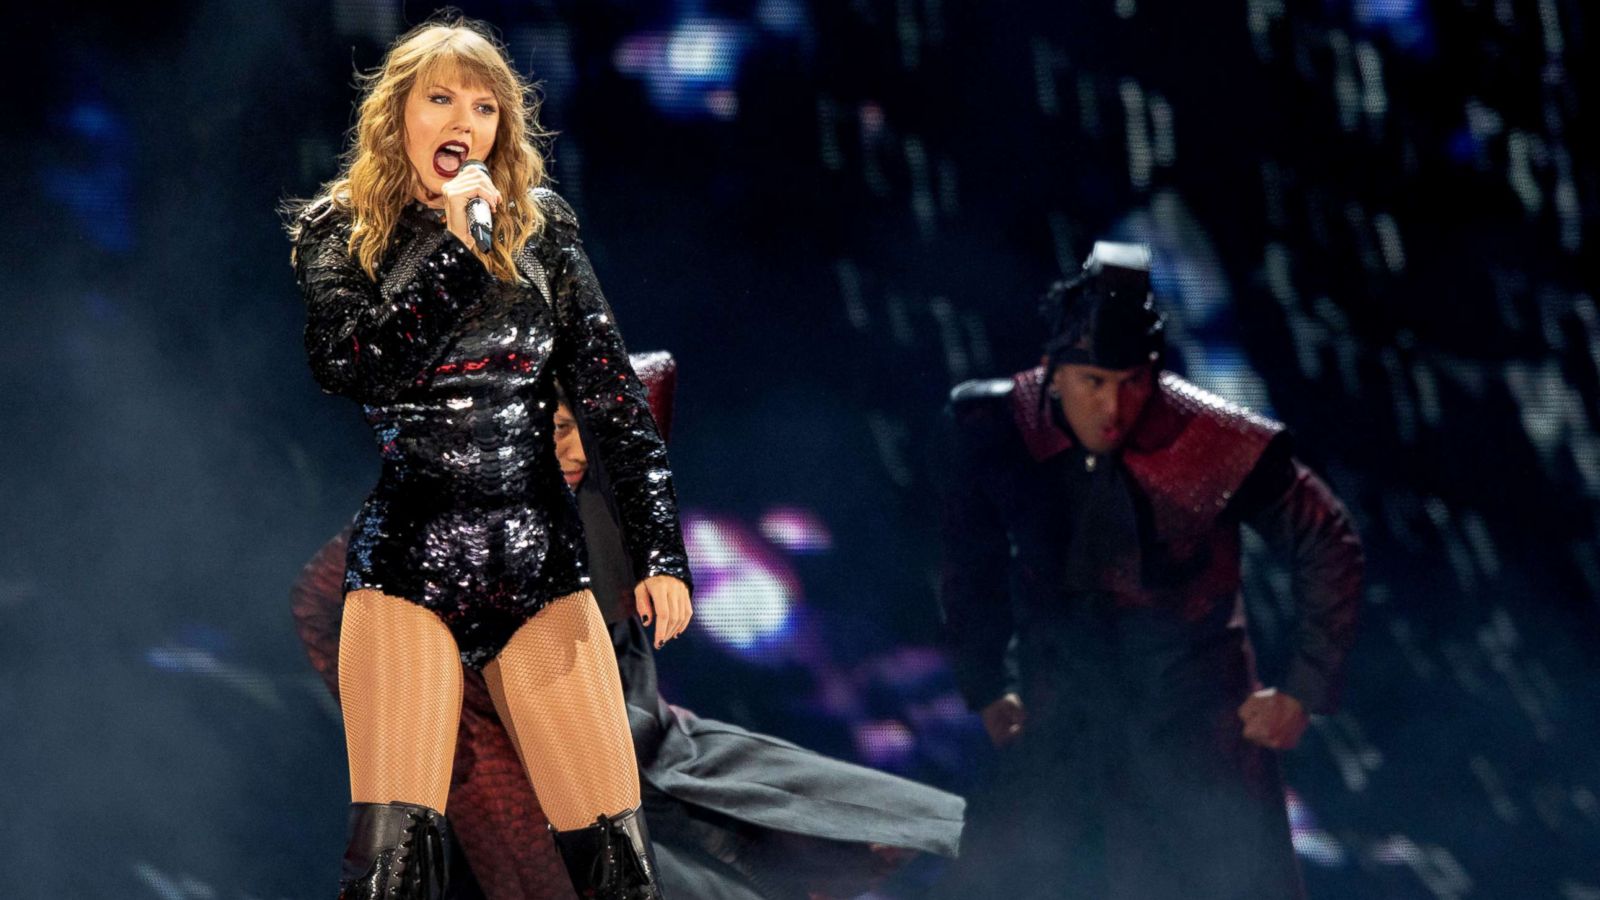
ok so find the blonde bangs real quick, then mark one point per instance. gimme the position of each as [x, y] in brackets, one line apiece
[378, 181]
[452, 62]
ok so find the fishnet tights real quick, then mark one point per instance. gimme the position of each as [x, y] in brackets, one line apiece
[400, 688]
[555, 687]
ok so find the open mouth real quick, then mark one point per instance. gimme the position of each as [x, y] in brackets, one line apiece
[448, 158]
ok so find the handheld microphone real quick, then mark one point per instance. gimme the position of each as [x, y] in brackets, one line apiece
[479, 222]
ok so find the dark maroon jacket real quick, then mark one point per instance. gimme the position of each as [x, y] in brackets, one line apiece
[1115, 583]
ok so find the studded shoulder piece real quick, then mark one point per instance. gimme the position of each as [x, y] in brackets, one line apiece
[1192, 451]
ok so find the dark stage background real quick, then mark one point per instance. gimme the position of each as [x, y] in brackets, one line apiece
[1373, 218]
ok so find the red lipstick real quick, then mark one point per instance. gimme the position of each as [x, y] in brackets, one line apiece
[448, 158]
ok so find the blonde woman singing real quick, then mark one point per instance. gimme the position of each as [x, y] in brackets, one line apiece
[469, 549]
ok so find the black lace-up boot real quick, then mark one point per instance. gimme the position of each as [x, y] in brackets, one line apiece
[397, 851]
[611, 859]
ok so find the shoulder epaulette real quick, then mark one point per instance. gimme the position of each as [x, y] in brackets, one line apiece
[314, 211]
[555, 206]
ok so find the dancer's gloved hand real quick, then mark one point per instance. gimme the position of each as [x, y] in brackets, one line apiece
[1004, 718]
[1273, 720]
[470, 182]
[664, 600]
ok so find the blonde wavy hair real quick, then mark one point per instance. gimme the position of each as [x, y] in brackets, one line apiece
[377, 179]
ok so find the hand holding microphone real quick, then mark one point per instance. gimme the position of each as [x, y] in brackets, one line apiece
[469, 200]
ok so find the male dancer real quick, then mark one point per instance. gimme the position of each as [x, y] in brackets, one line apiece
[1092, 524]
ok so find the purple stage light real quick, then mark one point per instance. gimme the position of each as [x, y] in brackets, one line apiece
[745, 595]
[1311, 843]
[796, 530]
[886, 743]
[690, 71]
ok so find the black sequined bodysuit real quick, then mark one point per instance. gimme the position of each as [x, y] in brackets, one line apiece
[456, 372]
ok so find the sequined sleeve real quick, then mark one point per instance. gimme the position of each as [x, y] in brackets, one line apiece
[592, 363]
[369, 343]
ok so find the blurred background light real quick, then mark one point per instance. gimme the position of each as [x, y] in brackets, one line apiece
[799, 531]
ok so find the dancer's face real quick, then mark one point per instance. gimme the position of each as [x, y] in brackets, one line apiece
[1102, 405]
[569, 448]
[448, 122]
